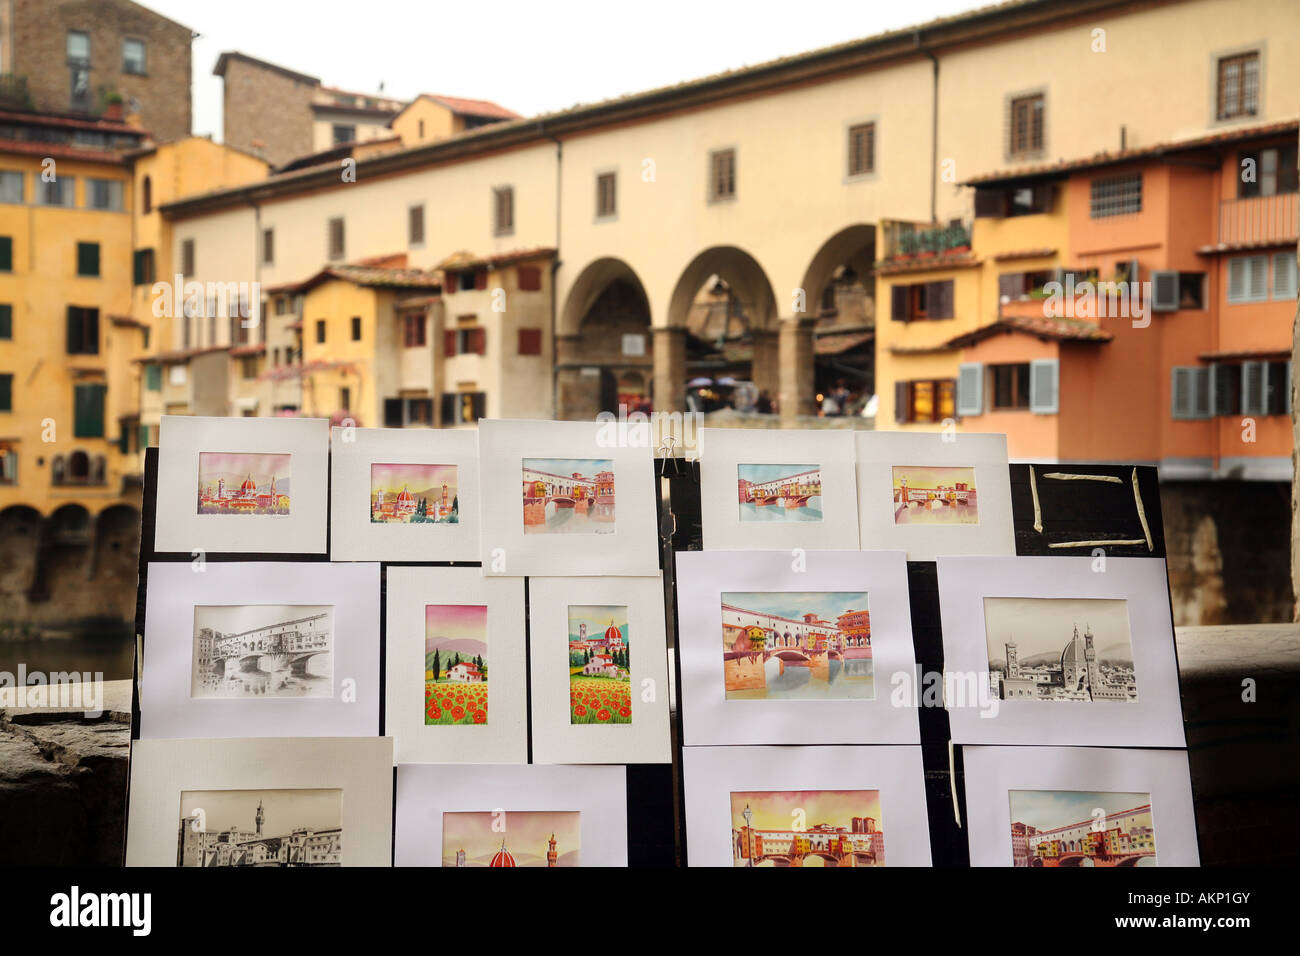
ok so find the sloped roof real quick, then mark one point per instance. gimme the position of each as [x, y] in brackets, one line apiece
[1043, 327]
[467, 260]
[369, 276]
[469, 107]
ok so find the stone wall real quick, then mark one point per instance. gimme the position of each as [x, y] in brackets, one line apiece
[40, 52]
[266, 112]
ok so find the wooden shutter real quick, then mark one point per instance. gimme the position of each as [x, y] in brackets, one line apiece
[1011, 285]
[74, 330]
[6, 393]
[1224, 389]
[87, 258]
[898, 303]
[990, 203]
[6, 321]
[480, 279]
[88, 411]
[6, 254]
[902, 402]
[478, 341]
[1044, 381]
[530, 278]
[1044, 194]
[1284, 275]
[1258, 277]
[449, 342]
[970, 388]
[530, 341]
[938, 300]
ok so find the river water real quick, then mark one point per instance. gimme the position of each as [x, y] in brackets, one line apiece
[107, 652]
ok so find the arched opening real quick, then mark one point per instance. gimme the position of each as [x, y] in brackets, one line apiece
[20, 528]
[78, 467]
[840, 285]
[604, 352]
[724, 302]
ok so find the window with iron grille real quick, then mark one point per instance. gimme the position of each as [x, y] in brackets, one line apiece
[1025, 129]
[722, 174]
[862, 149]
[503, 210]
[1238, 86]
[606, 195]
[1115, 195]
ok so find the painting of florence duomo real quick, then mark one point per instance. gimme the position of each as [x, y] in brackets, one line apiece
[233, 483]
[499, 838]
[413, 494]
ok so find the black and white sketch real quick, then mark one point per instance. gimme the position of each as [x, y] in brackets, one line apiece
[263, 650]
[260, 828]
[1075, 649]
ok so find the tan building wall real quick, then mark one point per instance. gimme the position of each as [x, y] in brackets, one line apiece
[34, 44]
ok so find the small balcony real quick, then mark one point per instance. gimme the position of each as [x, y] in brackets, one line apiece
[905, 241]
[1259, 220]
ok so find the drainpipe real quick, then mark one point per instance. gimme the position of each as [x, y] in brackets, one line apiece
[934, 124]
[555, 267]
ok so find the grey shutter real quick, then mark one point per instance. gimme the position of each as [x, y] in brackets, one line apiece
[1258, 278]
[898, 303]
[1236, 279]
[901, 403]
[1044, 386]
[938, 300]
[970, 388]
[1225, 389]
[1254, 388]
[1164, 290]
[1011, 285]
[1180, 401]
[1201, 395]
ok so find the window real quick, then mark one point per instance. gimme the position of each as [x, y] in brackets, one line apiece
[1020, 285]
[6, 392]
[356, 328]
[970, 388]
[401, 412]
[320, 331]
[530, 341]
[1025, 129]
[248, 366]
[6, 254]
[1225, 389]
[1238, 86]
[1044, 386]
[146, 194]
[336, 238]
[345, 398]
[8, 454]
[415, 225]
[413, 336]
[268, 246]
[78, 47]
[6, 321]
[1265, 388]
[88, 411]
[143, 267]
[862, 149]
[83, 331]
[530, 278]
[921, 300]
[606, 195]
[133, 60]
[1116, 195]
[1284, 275]
[925, 400]
[463, 408]
[1010, 386]
[1191, 290]
[996, 202]
[503, 210]
[187, 257]
[1272, 171]
[104, 194]
[1190, 399]
[344, 133]
[722, 174]
[465, 341]
[88, 259]
[11, 186]
[153, 378]
[1247, 279]
[56, 192]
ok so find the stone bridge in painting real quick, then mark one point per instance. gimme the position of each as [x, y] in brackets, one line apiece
[784, 848]
[1076, 858]
[290, 643]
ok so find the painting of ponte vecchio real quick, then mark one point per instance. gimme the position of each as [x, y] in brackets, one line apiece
[1074, 828]
[807, 828]
[932, 494]
[263, 650]
[220, 828]
[568, 495]
[779, 492]
[1071, 649]
[797, 646]
[233, 483]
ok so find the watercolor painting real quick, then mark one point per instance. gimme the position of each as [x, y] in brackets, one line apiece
[600, 685]
[261, 828]
[1077, 828]
[807, 828]
[568, 496]
[263, 650]
[455, 664]
[780, 492]
[234, 483]
[413, 494]
[511, 838]
[797, 646]
[925, 494]
[1075, 649]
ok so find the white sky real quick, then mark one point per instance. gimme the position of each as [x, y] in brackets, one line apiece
[530, 57]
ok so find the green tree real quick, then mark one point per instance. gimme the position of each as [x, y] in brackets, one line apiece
[436, 664]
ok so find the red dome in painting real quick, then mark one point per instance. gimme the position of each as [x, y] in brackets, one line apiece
[405, 498]
[613, 634]
[248, 485]
[503, 857]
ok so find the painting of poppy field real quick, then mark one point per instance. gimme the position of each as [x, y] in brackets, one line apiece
[455, 664]
[600, 686]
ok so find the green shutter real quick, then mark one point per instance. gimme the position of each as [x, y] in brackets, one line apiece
[6, 321]
[137, 268]
[88, 411]
[6, 393]
[6, 254]
[87, 258]
[153, 378]
[74, 330]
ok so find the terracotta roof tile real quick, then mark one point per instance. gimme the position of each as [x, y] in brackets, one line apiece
[468, 107]
[1043, 327]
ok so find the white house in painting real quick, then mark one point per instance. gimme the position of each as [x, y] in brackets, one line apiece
[466, 672]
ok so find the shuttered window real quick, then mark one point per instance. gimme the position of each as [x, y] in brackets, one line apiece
[463, 408]
[153, 378]
[1238, 86]
[1284, 275]
[921, 300]
[83, 331]
[1225, 389]
[6, 321]
[336, 238]
[722, 174]
[530, 279]
[1265, 388]
[187, 258]
[503, 210]
[415, 225]
[862, 149]
[606, 195]
[530, 341]
[413, 326]
[6, 392]
[88, 259]
[1191, 393]
[1025, 124]
[88, 411]
[143, 270]
[268, 246]
[1247, 279]
[6, 254]
[970, 389]
[1044, 386]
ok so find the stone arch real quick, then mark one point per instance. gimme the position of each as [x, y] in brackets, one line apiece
[840, 289]
[116, 559]
[78, 467]
[20, 539]
[725, 306]
[603, 342]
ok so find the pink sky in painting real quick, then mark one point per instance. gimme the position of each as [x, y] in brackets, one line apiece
[452, 625]
[394, 477]
[216, 464]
